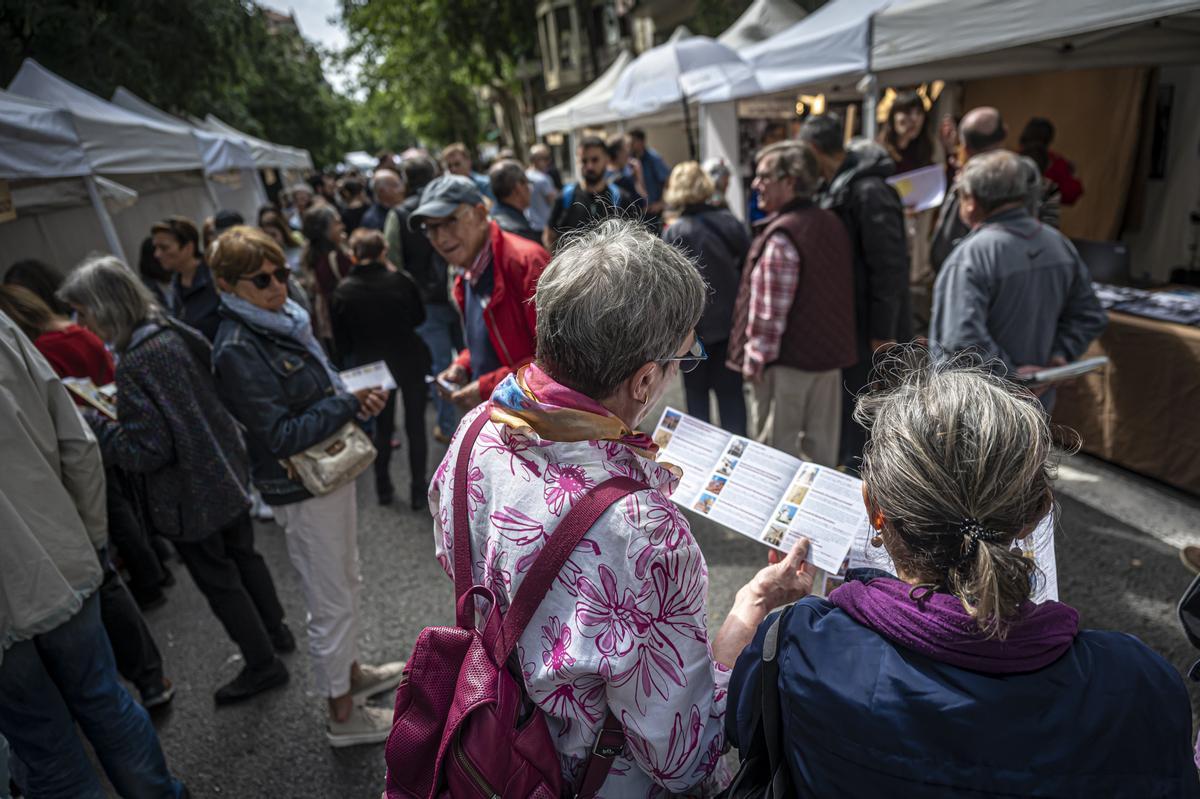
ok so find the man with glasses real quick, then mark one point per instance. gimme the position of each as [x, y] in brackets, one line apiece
[793, 324]
[497, 274]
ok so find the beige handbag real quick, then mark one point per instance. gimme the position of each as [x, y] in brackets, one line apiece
[336, 461]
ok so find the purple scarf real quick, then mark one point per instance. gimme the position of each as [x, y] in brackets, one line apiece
[939, 627]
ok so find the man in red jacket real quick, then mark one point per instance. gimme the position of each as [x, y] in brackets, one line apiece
[496, 275]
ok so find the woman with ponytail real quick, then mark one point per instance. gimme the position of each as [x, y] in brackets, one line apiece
[949, 680]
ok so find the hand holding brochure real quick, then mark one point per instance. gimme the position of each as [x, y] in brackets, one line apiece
[761, 492]
[776, 499]
[372, 375]
[1056, 374]
[921, 189]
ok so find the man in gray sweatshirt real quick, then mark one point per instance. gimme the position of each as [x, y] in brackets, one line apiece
[1014, 290]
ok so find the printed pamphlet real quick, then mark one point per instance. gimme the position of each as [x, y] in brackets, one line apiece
[372, 375]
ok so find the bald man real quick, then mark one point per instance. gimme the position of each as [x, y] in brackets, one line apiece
[982, 130]
[388, 190]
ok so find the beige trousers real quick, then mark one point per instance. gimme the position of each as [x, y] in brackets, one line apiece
[798, 412]
[322, 543]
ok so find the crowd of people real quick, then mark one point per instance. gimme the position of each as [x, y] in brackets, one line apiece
[548, 318]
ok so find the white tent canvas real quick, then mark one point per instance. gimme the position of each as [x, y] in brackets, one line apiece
[762, 20]
[267, 155]
[117, 141]
[589, 106]
[962, 39]
[233, 179]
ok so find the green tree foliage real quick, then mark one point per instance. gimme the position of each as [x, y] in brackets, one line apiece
[435, 67]
[186, 57]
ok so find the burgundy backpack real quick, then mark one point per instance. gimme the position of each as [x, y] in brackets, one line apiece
[464, 726]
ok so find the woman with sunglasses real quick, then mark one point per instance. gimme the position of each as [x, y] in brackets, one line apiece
[622, 633]
[278, 382]
[172, 427]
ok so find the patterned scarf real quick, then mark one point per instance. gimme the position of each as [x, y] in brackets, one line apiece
[530, 398]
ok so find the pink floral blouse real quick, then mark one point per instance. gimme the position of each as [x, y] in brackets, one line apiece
[625, 625]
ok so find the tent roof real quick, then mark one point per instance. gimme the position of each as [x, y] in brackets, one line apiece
[962, 39]
[266, 154]
[115, 140]
[220, 152]
[38, 141]
[763, 19]
[589, 106]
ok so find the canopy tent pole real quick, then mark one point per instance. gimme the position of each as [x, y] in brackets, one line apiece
[869, 87]
[106, 223]
[687, 125]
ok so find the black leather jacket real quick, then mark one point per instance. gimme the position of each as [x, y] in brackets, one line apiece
[282, 397]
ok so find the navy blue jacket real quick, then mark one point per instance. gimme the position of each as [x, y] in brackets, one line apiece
[865, 717]
[282, 397]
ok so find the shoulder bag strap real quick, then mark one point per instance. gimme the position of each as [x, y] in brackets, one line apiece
[554, 554]
[464, 574]
[772, 711]
[610, 742]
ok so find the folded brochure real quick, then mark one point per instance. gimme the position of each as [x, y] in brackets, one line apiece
[777, 499]
[372, 375]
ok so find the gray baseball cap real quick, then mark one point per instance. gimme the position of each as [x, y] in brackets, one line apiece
[442, 196]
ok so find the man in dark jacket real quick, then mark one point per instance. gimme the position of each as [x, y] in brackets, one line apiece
[409, 250]
[856, 190]
[376, 312]
[593, 198]
[513, 195]
[498, 274]
[388, 191]
[793, 326]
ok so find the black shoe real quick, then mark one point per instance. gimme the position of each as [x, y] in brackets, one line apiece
[420, 496]
[385, 492]
[252, 681]
[148, 601]
[283, 640]
[159, 695]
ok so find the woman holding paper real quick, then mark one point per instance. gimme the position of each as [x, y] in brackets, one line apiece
[949, 680]
[278, 382]
[623, 629]
[172, 428]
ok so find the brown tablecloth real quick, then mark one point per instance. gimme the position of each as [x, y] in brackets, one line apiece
[1142, 411]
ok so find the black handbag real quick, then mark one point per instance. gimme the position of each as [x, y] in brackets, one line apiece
[764, 772]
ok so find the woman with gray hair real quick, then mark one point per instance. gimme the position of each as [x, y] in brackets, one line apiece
[950, 679]
[172, 428]
[620, 639]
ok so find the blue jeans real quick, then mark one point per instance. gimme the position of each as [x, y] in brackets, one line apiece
[65, 676]
[439, 332]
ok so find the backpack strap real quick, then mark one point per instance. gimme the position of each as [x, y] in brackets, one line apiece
[464, 573]
[554, 554]
[614, 194]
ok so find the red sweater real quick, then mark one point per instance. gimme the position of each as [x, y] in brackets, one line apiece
[76, 352]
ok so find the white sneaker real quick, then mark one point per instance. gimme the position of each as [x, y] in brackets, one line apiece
[376, 679]
[365, 725]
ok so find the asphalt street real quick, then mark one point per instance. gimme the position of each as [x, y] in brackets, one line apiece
[1117, 571]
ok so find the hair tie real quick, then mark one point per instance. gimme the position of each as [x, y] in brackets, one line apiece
[974, 532]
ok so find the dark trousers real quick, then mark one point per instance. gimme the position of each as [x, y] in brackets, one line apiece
[413, 393]
[130, 535]
[137, 656]
[854, 435]
[66, 677]
[712, 375]
[235, 580]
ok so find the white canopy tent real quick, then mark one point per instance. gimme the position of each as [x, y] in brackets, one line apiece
[588, 107]
[43, 161]
[158, 160]
[762, 20]
[228, 163]
[963, 39]
[267, 155]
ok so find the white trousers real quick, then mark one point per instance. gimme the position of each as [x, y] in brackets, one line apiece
[322, 542]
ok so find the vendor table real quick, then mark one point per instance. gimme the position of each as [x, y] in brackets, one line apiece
[1142, 411]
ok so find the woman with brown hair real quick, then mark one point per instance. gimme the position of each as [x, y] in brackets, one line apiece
[326, 262]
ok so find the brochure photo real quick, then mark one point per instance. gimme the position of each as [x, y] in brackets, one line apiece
[761, 492]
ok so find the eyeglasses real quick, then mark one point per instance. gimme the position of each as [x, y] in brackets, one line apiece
[689, 362]
[431, 229]
[263, 279]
